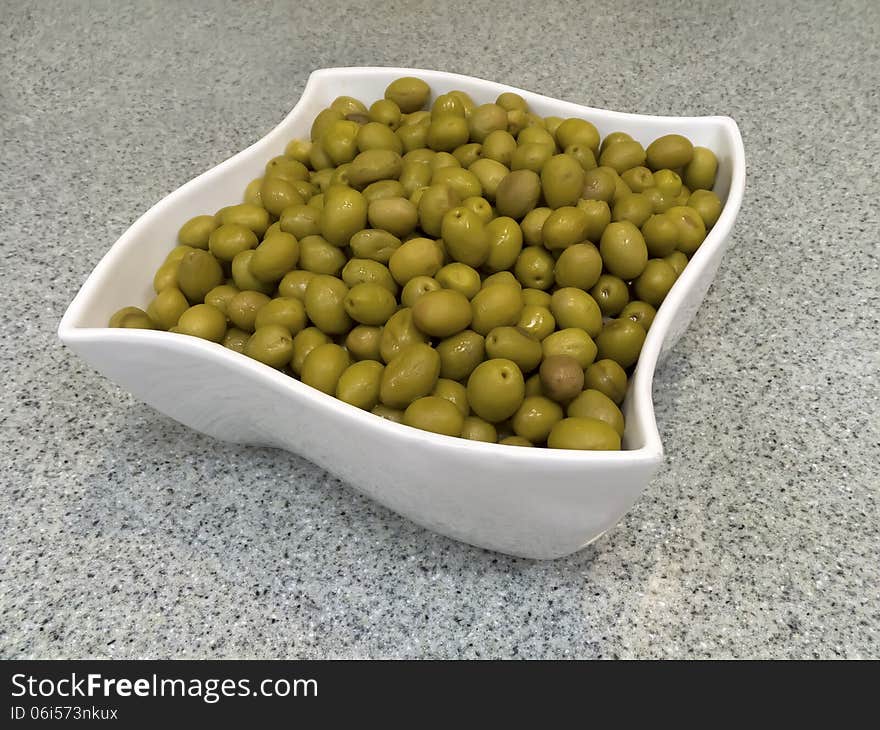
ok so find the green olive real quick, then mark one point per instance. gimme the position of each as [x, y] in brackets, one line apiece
[243, 308]
[461, 278]
[562, 181]
[476, 429]
[595, 404]
[374, 165]
[300, 221]
[518, 193]
[284, 311]
[363, 271]
[661, 234]
[532, 226]
[707, 204]
[654, 283]
[412, 136]
[598, 185]
[446, 132]
[228, 240]
[533, 385]
[382, 190]
[486, 119]
[573, 307]
[363, 342]
[465, 236]
[277, 194]
[286, 168]
[271, 344]
[247, 215]
[323, 367]
[501, 277]
[623, 250]
[611, 294]
[561, 377]
[514, 344]
[166, 308]
[344, 214]
[220, 296]
[303, 343]
[585, 434]
[598, 217]
[359, 384]
[416, 257]
[319, 256]
[505, 243]
[370, 303]
[409, 93]
[499, 146]
[132, 318]
[236, 340]
[197, 273]
[623, 155]
[621, 340]
[639, 312]
[536, 297]
[375, 244]
[564, 227]
[677, 260]
[435, 202]
[638, 178]
[489, 174]
[668, 182]
[467, 154]
[274, 257]
[578, 132]
[339, 141]
[395, 215]
[295, 283]
[510, 101]
[196, 231]
[535, 418]
[410, 375]
[571, 341]
[496, 306]
[399, 332]
[669, 151]
[298, 149]
[434, 414]
[607, 377]
[442, 313]
[534, 268]
[578, 266]
[495, 389]
[531, 156]
[460, 354]
[377, 136]
[584, 155]
[464, 183]
[699, 173]
[454, 392]
[633, 207]
[536, 320]
[690, 226]
[417, 287]
[325, 304]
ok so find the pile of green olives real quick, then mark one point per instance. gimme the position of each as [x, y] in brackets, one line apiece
[474, 270]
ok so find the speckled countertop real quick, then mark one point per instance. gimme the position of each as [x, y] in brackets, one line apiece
[123, 534]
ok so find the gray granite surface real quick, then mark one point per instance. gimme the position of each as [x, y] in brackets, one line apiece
[123, 534]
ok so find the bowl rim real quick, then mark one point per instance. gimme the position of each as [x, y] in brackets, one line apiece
[640, 384]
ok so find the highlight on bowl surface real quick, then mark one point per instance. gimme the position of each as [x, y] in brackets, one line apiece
[466, 267]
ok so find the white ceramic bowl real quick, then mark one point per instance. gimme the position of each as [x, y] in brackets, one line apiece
[537, 503]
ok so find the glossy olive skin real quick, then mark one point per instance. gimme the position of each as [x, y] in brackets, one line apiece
[363, 342]
[166, 308]
[595, 404]
[343, 215]
[633, 207]
[410, 375]
[532, 226]
[248, 215]
[375, 244]
[495, 306]
[476, 429]
[535, 418]
[323, 367]
[284, 311]
[690, 226]
[399, 332]
[518, 193]
[623, 156]
[639, 312]
[454, 392]
[395, 215]
[564, 227]
[236, 340]
[366, 271]
[442, 313]
[370, 304]
[608, 378]
[578, 266]
[514, 344]
[598, 185]
[242, 276]
[417, 287]
[573, 307]
[562, 181]
[707, 204]
[623, 250]
[585, 434]
[434, 203]
[274, 257]
[303, 343]
[435, 414]
[198, 273]
[621, 340]
[325, 304]
[534, 268]
[536, 297]
[669, 151]
[700, 172]
[295, 283]
[661, 234]
[537, 321]
[359, 384]
[196, 231]
[301, 221]
[416, 257]
[131, 318]
[571, 341]
[677, 260]
[561, 377]
[461, 278]
[242, 309]
[228, 240]
[499, 146]
[654, 283]
[460, 354]
[495, 389]
[465, 235]
[271, 344]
